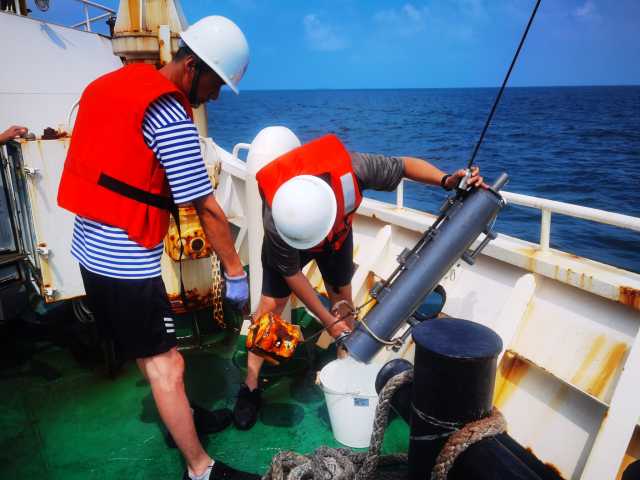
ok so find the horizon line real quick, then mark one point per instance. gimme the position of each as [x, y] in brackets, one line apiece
[311, 89]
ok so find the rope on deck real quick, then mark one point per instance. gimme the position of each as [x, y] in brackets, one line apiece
[327, 463]
[462, 439]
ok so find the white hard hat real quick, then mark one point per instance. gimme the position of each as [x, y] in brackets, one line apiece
[219, 43]
[304, 210]
[269, 144]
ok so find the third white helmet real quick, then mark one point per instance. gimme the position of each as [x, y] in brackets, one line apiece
[304, 210]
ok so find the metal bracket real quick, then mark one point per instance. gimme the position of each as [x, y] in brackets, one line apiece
[30, 171]
[412, 323]
[470, 257]
[404, 255]
[49, 292]
[43, 251]
[378, 291]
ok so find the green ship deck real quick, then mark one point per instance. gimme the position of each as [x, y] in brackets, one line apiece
[62, 417]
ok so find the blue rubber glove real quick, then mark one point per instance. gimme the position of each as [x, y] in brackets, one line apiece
[237, 291]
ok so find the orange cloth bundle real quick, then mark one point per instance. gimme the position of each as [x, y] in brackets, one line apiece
[272, 338]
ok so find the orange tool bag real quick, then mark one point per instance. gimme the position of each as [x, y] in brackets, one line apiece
[272, 338]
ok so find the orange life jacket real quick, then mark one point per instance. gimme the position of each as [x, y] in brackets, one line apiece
[110, 174]
[324, 156]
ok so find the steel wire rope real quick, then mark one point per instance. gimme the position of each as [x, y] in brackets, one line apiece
[504, 84]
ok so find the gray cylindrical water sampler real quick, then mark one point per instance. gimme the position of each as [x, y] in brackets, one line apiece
[466, 217]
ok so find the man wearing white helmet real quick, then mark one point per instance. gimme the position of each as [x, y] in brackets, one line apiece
[135, 156]
[310, 195]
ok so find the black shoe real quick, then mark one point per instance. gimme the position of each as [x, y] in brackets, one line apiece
[206, 422]
[210, 421]
[245, 413]
[220, 471]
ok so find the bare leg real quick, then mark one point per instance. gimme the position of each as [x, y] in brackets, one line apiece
[254, 362]
[165, 374]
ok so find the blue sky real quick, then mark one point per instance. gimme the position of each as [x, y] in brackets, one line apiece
[420, 44]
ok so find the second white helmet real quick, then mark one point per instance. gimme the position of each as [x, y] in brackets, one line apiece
[304, 211]
[219, 43]
[269, 144]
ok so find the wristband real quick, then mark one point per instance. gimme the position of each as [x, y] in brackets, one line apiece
[444, 181]
[239, 277]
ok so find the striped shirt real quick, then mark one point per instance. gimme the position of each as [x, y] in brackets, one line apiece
[173, 137]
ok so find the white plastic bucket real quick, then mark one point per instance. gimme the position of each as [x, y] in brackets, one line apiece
[350, 393]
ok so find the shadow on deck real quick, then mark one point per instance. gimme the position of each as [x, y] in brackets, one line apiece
[62, 417]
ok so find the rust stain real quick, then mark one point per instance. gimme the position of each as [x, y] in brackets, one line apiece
[553, 469]
[370, 280]
[569, 274]
[195, 299]
[368, 302]
[611, 364]
[632, 454]
[193, 240]
[612, 361]
[629, 296]
[53, 134]
[587, 361]
[512, 371]
[530, 253]
[134, 15]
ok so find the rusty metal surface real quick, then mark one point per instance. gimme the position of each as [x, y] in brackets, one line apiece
[196, 299]
[50, 133]
[191, 236]
[632, 454]
[630, 296]
[137, 35]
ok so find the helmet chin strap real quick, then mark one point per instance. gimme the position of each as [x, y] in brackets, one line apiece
[193, 93]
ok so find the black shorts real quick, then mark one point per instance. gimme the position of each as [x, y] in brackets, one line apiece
[135, 314]
[336, 269]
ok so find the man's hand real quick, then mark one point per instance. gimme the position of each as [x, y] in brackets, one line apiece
[474, 181]
[237, 291]
[344, 319]
[15, 131]
[339, 327]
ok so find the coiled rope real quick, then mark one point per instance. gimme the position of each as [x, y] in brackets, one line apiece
[462, 439]
[342, 463]
[327, 463]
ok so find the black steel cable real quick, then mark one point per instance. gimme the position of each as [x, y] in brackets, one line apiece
[504, 83]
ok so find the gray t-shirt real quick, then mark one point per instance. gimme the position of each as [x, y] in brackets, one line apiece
[376, 172]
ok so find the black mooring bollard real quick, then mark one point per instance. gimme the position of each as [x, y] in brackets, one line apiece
[493, 458]
[455, 369]
[401, 401]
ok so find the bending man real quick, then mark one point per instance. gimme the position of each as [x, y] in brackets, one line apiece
[310, 195]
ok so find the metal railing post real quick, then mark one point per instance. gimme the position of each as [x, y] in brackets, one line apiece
[87, 25]
[88, 20]
[400, 194]
[545, 229]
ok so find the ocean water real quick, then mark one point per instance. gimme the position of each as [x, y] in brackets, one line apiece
[579, 145]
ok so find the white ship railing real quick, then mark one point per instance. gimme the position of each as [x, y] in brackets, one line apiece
[547, 207]
[89, 20]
